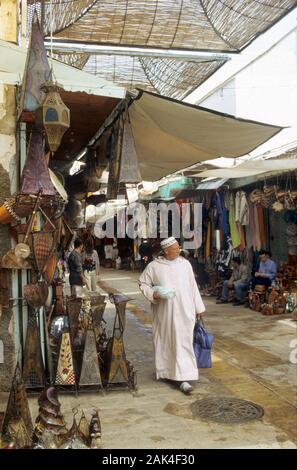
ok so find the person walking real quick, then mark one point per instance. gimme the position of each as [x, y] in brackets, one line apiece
[169, 284]
[146, 253]
[76, 276]
[91, 266]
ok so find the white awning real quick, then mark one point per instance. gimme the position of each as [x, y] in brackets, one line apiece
[251, 168]
[170, 135]
[12, 65]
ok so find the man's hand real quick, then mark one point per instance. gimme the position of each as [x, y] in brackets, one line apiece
[260, 275]
[156, 295]
[230, 284]
[199, 316]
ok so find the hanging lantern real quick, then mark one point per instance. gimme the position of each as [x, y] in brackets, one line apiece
[54, 115]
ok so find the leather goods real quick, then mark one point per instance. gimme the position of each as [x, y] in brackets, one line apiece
[50, 268]
[22, 250]
[11, 261]
[36, 294]
[7, 212]
[43, 247]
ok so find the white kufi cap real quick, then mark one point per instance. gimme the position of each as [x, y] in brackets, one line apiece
[167, 242]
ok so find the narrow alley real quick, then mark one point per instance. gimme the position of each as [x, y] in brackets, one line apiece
[251, 361]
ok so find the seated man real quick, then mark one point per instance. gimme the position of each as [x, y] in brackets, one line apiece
[239, 281]
[267, 270]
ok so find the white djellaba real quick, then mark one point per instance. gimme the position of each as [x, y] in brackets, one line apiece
[173, 318]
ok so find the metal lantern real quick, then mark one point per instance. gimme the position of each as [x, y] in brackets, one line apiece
[55, 115]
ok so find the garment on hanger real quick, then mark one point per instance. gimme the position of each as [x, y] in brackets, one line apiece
[233, 226]
[241, 208]
[257, 229]
[261, 226]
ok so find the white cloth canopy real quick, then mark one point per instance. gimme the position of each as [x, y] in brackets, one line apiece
[251, 168]
[12, 66]
[170, 135]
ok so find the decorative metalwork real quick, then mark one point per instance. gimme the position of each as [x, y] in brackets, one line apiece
[95, 430]
[90, 372]
[37, 69]
[18, 434]
[53, 115]
[226, 410]
[129, 169]
[75, 439]
[97, 311]
[83, 427]
[73, 309]
[118, 368]
[50, 427]
[65, 374]
[36, 294]
[17, 406]
[43, 247]
[33, 369]
[35, 176]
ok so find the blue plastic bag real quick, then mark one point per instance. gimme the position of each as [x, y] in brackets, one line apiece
[202, 346]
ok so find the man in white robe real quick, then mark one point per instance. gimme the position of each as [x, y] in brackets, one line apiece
[173, 318]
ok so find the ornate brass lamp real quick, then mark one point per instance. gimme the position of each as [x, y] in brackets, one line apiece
[54, 115]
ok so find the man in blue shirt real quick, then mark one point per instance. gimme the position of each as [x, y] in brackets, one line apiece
[267, 270]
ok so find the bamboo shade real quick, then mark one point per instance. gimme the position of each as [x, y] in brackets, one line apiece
[209, 25]
[224, 25]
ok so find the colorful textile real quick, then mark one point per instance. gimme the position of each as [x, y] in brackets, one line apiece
[261, 226]
[241, 208]
[233, 226]
[257, 229]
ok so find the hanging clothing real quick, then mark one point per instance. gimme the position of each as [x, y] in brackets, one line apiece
[242, 237]
[233, 226]
[218, 211]
[241, 208]
[257, 229]
[173, 319]
[261, 226]
[208, 241]
[197, 207]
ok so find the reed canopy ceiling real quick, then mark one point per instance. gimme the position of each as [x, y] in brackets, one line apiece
[201, 25]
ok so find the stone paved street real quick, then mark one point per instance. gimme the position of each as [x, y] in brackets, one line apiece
[250, 361]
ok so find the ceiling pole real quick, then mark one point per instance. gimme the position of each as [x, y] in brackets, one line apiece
[62, 46]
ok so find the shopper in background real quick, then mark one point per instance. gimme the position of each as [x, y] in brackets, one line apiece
[239, 281]
[76, 275]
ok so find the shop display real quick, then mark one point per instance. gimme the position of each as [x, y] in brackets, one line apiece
[118, 371]
[17, 408]
[90, 372]
[50, 427]
[33, 368]
[95, 430]
[65, 374]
